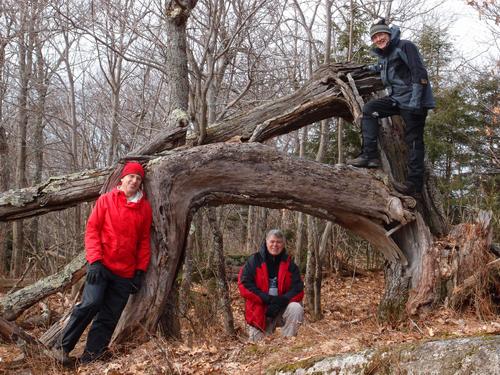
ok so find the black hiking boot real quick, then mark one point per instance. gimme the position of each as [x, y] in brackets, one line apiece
[363, 161]
[88, 357]
[61, 356]
[407, 188]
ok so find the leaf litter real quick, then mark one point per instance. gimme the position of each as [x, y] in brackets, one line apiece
[349, 306]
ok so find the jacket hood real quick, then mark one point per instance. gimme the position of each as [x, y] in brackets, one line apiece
[395, 38]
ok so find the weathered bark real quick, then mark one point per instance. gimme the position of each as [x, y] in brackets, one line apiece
[394, 155]
[300, 216]
[13, 304]
[300, 240]
[54, 334]
[472, 355]
[310, 292]
[169, 324]
[468, 267]
[260, 226]
[221, 277]
[319, 99]
[176, 16]
[250, 241]
[65, 56]
[250, 174]
[416, 242]
[408, 288]
[187, 273]
[56, 193]
[477, 281]
[13, 334]
[25, 51]
[4, 184]
[314, 264]
[318, 269]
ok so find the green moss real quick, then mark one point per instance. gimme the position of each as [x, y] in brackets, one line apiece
[381, 362]
[290, 367]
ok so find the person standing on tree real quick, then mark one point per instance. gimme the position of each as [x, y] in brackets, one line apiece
[271, 285]
[117, 244]
[409, 95]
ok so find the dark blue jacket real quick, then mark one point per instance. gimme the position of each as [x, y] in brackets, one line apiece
[403, 73]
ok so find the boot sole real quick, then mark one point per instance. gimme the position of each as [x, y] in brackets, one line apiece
[366, 166]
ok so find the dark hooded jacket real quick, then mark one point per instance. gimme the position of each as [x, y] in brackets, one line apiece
[253, 283]
[403, 73]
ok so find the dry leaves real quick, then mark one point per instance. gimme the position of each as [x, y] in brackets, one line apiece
[349, 324]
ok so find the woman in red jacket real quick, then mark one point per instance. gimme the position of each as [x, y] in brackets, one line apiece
[117, 251]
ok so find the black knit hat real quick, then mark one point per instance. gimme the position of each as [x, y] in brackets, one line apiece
[379, 26]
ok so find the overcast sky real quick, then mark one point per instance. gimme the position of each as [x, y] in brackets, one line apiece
[470, 34]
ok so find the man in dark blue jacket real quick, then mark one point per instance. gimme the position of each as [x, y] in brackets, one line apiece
[409, 95]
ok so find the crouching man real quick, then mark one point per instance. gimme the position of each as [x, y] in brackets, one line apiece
[271, 285]
[117, 248]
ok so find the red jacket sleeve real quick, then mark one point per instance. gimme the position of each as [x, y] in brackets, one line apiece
[144, 245]
[93, 244]
[246, 284]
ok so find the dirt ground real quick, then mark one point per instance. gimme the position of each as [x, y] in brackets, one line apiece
[349, 324]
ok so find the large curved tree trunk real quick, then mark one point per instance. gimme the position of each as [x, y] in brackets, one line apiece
[180, 183]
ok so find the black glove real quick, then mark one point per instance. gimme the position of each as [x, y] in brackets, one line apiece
[273, 309]
[95, 272]
[281, 301]
[136, 282]
[266, 298]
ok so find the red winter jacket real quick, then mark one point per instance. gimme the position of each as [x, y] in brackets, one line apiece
[118, 234]
[253, 283]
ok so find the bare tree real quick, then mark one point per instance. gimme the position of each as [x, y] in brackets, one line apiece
[5, 39]
[26, 23]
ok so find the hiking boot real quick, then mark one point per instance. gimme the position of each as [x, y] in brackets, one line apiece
[88, 357]
[362, 161]
[61, 356]
[407, 188]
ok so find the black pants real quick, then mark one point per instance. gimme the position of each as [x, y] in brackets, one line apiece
[414, 134]
[105, 301]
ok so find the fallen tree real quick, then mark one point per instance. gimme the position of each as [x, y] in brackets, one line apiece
[13, 304]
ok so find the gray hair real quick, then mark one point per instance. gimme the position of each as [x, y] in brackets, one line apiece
[276, 233]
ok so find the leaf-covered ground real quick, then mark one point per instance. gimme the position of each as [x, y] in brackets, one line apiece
[349, 324]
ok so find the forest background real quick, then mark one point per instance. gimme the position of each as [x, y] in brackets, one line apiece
[83, 83]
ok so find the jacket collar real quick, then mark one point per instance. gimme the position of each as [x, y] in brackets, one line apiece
[134, 202]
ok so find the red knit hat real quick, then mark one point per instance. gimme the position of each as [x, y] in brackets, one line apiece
[132, 167]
